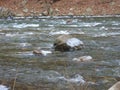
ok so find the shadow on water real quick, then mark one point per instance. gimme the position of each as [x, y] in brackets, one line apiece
[20, 36]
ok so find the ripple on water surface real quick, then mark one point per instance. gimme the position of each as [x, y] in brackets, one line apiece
[101, 36]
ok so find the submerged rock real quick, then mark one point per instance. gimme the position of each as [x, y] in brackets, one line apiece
[67, 43]
[83, 59]
[116, 86]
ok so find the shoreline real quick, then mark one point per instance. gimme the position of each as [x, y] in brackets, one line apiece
[61, 17]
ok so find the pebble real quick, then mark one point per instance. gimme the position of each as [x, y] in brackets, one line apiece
[25, 10]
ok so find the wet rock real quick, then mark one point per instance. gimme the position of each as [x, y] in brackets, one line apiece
[41, 52]
[5, 12]
[83, 59]
[116, 86]
[67, 43]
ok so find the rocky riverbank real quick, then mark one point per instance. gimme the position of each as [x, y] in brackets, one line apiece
[58, 7]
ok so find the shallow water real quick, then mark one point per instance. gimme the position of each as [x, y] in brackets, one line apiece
[20, 36]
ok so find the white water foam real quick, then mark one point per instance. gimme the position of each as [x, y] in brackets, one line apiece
[11, 34]
[83, 59]
[90, 24]
[24, 44]
[103, 28]
[77, 32]
[23, 54]
[24, 25]
[106, 34]
[2, 87]
[28, 33]
[59, 32]
[78, 79]
[44, 53]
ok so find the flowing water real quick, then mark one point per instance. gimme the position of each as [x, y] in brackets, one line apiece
[57, 71]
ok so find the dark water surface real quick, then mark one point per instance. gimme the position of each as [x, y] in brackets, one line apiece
[57, 71]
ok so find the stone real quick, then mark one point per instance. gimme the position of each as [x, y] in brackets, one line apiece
[44, 13]
[41, 52]
[71, 9]
[83, 59]
[67, 43]
[70, 13]
[89, 11]
[116, 86]
[112, 3]
[24, 2]
[25, 10]
[19, 14]
[36, 52]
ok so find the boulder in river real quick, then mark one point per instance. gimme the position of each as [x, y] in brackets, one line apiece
[67, 43]
[116, 86]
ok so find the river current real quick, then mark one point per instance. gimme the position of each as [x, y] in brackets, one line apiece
[57, 71]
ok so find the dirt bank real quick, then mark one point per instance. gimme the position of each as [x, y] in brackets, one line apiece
[62, 7]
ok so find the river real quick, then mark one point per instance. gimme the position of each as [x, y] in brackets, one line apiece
[57, 71]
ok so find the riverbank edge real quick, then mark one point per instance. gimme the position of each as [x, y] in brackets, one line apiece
[59, 17]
